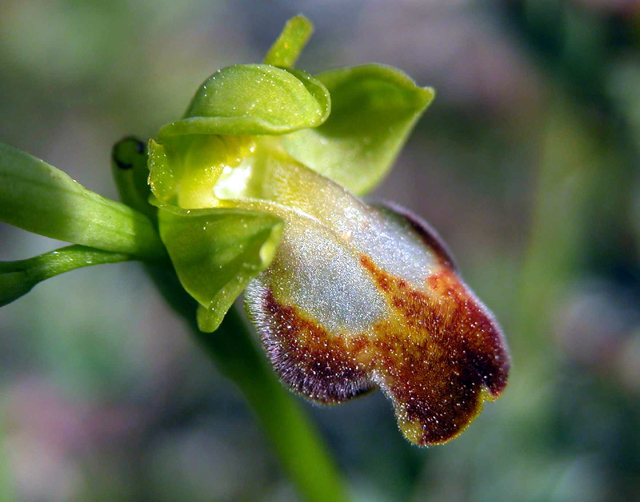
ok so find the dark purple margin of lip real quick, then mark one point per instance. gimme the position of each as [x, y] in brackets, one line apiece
[428, 234]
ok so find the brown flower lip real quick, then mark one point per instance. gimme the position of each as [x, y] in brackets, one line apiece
[438, 355]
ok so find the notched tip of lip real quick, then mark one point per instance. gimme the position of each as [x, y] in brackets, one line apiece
[440, 429]
[437, 407]
[440, 355]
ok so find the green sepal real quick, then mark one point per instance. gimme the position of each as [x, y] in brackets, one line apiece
[162, 175]
[251, 100]
[374, 108]
[216, 252]
[39, 198]
[17, 278]
[287, 48]
[209, 319]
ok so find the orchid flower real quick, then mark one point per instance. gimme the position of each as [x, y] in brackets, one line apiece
[256, 190]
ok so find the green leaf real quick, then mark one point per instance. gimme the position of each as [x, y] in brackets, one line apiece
[18, 277]
[39, 198]
[373, 110]
[216, 252]
[253, 99]
[287, 48]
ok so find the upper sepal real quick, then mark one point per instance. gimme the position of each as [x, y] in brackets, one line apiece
[216, 252]
[287, 48]
[373, 109]
[254, 99]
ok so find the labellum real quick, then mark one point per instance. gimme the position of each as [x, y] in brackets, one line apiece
[357, 297]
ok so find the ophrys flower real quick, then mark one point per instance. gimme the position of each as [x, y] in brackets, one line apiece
[255, 190]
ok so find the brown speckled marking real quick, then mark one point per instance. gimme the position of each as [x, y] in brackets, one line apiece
[320, 366]
[438, 356]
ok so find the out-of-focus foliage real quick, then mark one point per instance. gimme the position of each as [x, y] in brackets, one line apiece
[526, 163]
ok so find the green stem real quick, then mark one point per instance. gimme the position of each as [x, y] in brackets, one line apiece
[18, 277]
[559, 226]
[569, 168]
[232, 348]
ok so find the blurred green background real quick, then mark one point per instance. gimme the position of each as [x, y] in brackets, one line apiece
[527, 164]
